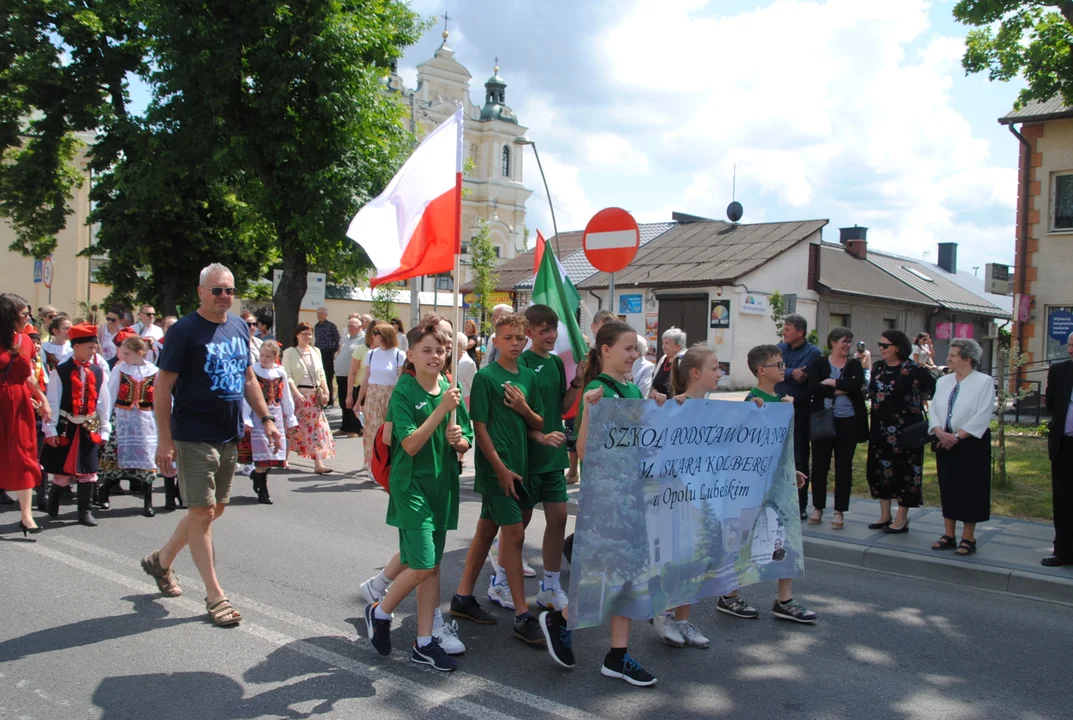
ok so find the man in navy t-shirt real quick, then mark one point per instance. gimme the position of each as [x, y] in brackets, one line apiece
[204, 375]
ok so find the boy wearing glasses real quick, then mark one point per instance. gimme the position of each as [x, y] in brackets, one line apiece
[766, 363]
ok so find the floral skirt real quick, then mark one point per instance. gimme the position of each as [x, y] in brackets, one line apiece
[312, 437]
[377, 398]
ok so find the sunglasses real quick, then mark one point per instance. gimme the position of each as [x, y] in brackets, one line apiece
[779, 365]
[218, 291]
[153, 314]
[884, 346]
[252, 324]
[112, 319]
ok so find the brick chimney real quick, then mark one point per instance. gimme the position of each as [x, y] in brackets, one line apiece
[856, 240]
[948, 257]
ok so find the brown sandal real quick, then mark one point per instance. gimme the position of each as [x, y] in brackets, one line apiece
[838, 522]
[221, 613]
[165, 578]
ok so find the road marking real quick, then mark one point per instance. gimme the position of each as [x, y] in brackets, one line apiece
[465, 684]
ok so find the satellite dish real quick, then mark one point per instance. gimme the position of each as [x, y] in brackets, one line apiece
[734, 211]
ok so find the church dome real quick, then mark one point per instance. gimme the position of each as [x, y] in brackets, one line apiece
[495, 100]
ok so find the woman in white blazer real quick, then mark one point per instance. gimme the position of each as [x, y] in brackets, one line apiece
[960, 417]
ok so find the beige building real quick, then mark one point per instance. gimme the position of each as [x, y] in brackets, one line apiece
[493, 189]
[1044, 254]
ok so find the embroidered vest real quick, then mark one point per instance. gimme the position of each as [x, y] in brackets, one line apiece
[135, 394]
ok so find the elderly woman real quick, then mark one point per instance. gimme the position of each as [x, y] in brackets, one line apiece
[960, 419]
[674, 347]
[312, 437]
[836, 383]
[898, 389]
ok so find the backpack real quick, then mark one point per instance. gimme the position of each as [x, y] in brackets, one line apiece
[380, 464]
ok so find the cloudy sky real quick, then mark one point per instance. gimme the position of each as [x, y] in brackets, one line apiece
[853, 110]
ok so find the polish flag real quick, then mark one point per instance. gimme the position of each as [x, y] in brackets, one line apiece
[414, 227]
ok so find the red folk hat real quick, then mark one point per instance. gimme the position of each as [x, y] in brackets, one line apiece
[82, 333]
[124, 334]
[31, 331]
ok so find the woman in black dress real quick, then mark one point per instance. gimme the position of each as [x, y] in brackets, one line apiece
[898, 389]
[960, 419]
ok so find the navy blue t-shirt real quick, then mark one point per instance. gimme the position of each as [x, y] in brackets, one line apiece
[211, 360]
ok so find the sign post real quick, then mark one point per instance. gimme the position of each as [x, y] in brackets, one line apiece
[611, 241]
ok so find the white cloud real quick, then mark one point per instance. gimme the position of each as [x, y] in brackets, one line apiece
[616, 152]
[573, 208]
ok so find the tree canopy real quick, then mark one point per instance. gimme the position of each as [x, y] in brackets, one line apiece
[1032, 39]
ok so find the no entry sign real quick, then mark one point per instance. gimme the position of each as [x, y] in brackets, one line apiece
[611, 239]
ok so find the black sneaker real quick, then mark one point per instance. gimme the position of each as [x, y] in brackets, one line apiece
[469, 609]
[529, 631]
[558, 639]
[432, 654]
[629, 670]
[734, 605]
[378, 631]
[793, 611]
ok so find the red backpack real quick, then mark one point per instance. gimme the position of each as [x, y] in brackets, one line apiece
[381, 460]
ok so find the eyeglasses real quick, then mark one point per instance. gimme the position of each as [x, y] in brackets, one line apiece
[884, 346]
[218, 291]
[779, 365]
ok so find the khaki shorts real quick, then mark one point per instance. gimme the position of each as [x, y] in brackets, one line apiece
[205, 472]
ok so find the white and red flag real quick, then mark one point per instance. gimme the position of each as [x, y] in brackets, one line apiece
[414, 227]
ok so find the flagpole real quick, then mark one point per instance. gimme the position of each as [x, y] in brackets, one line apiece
[458, 260]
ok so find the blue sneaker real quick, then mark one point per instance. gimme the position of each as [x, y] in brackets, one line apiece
[378, 631]
[433, 654]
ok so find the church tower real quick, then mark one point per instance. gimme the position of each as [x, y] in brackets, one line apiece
[493, 184]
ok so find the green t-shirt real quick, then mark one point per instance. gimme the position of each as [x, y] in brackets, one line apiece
[624, 390]
[424, 487]
[766, 397]
[551, 384]
[505, 426]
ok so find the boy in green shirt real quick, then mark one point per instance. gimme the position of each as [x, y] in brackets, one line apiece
[547, 480]
[505, 407]
[765, 362]
[423, 502]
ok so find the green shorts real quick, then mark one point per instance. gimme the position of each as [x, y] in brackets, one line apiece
[421, 548]
[205, 472]
[500, 509]
[549, 487]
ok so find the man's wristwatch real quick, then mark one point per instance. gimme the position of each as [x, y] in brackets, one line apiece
[268, 418]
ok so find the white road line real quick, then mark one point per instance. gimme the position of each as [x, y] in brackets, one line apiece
[467, 684]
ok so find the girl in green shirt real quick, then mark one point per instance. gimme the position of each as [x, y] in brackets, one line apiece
[609, 362]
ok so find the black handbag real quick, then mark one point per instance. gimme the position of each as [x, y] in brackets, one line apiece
[915, 436]
[822, 424]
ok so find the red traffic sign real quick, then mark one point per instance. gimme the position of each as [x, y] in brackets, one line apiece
[47, 272]
[611, 239]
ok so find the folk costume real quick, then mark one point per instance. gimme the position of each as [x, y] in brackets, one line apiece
[133, 442]
[19, 469]
[109, 471]
[78, 394]
[55, 353]
[254, 446]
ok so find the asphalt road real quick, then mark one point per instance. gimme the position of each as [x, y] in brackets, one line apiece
[85, 635]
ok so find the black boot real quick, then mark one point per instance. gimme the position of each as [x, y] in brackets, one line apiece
[95, 493]
[169, 493]
[262, 494]
[42, 494]
[104, 494]
[54, 493]
[136, 487]
[148, 500]
[85, 516]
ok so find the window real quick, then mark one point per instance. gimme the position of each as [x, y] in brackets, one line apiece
[890, 324]
[506, 162]
[838, 320]
[916, 273]
[1062, 203]
[655, 550]
[443, 282]
[465, 248]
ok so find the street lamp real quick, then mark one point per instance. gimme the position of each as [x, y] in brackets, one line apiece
[523, 140]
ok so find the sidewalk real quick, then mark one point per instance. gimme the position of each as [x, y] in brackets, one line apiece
[1007, 556]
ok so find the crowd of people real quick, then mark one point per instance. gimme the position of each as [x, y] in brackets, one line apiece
[195, 399]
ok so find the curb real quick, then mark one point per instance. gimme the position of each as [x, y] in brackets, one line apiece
[985, 577]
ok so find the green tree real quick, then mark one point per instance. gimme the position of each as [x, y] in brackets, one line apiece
[384, 299]
[64, 68]
[778, 311]
[709, 540]
[291, 96]
[483, 259]
[1032, 39]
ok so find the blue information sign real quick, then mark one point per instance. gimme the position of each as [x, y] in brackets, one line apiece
[1060, 325]
[629, 304]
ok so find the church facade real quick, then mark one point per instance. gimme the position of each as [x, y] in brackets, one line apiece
[493, 189]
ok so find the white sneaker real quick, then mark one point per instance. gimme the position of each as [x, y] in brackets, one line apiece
[667, 629]
[370, 595]
[493, 560]
[447, 636]
[691, 634]
[554, 599]
[526, 570]
[500, 595]
[246, 470]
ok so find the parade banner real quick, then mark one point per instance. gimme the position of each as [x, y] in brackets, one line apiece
[682, 502]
